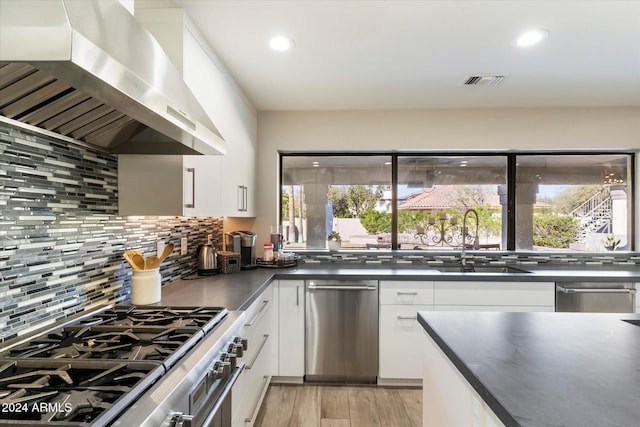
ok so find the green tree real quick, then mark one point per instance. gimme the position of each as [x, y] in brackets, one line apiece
[376, 222]
[340, 205]
[408, 220]
[362, 198]
[554, 231]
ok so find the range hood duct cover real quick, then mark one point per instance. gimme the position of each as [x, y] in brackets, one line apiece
[90, 71]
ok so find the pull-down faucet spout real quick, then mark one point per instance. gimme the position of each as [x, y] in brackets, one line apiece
[476, 240]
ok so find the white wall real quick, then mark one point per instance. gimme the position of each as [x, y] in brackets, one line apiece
[485, 129]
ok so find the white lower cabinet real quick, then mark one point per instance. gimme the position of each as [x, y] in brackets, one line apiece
[260, 358]
[290, 331]
[494, 296]
[400, 334]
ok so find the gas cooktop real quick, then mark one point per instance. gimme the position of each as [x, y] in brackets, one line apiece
[86, 371]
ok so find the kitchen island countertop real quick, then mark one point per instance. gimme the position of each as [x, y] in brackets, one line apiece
[546, 369]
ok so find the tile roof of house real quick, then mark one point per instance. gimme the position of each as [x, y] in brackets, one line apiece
[441, 197]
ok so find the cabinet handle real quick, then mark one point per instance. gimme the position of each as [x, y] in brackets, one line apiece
[406, 317]
[246, 198]
[192, 171]
[297, 296]
[264, 341]
[407, 293]
[264, 305]
[242, 198]
[254, 413]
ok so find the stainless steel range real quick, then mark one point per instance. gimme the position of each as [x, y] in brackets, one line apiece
[124, 365]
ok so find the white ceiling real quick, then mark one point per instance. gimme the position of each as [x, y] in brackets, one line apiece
[415, 54]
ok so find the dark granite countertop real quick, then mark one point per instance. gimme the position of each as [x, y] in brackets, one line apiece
[236, 291]
[546, 369]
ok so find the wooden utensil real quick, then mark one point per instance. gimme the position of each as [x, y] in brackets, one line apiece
[151, 262]
[166, 252]
[135, 264]
[138, 260]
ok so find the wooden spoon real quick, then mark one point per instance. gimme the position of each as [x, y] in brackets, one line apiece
[151, 262]
[166, 252]
[138, 260]
[134, 263]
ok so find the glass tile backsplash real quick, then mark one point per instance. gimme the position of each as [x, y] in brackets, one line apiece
[61, 239]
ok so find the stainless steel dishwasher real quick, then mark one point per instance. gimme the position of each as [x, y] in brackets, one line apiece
[341, 340]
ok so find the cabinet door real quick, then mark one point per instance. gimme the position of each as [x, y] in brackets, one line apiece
[400, 341]
[291, 328]
[202, 184]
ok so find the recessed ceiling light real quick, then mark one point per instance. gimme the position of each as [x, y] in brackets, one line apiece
[281, 43]
[532, 37]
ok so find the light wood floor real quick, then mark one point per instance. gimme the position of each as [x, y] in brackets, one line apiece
[340, 406]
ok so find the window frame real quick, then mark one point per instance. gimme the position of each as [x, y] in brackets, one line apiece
[511, 160]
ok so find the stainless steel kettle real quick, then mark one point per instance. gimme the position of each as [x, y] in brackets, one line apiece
[207, 260]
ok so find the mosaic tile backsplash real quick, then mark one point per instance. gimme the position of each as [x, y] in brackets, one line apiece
[61, 239]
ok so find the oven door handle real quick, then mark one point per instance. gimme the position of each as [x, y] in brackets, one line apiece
[595, 290]
[181, 420]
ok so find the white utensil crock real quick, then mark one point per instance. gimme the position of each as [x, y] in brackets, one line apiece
[145, 286]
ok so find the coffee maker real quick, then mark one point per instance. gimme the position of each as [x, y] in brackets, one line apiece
[244, 243]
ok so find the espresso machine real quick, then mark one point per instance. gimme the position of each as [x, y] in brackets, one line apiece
[244, 243]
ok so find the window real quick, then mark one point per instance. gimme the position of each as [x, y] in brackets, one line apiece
[435, 192]
[576, 202]
[347, 195]
[530, 201]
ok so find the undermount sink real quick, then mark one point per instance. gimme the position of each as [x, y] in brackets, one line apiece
[479, 269]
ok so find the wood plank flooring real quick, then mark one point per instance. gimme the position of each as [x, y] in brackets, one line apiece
[340, 406]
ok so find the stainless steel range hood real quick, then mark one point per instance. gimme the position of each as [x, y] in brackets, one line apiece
[90, 71]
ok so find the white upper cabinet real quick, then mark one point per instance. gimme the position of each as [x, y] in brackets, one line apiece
[233, 188]
[237, 123]
[169, 185]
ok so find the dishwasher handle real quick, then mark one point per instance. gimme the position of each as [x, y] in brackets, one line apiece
[565, 290]
[313, 287]
[342, 285]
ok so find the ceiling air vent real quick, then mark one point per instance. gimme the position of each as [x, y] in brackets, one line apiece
[484, 80]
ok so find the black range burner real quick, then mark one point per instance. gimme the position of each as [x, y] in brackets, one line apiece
[41, 392]
[110, 343]
[174, 317]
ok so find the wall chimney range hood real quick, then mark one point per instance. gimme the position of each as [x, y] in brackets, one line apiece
[89, 71]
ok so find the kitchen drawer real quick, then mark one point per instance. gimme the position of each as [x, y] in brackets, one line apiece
[537, 308]
[257, 311]
[495, 293]
[249, 390]
[406, 292]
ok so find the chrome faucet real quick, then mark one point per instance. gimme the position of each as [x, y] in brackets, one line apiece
[476, 240]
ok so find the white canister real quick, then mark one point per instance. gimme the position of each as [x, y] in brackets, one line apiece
[145, 286]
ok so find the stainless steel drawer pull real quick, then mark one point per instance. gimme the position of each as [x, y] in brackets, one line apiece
[407, 293]
[250, 365]
[406, 317]
[256, 407]
[341, 288]
[297, 296]
[595, 291]
[264, 305]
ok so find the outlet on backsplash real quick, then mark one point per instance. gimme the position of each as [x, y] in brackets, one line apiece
[183, 246]
[159, 247]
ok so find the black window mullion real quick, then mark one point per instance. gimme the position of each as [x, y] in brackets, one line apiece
[511, 202]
